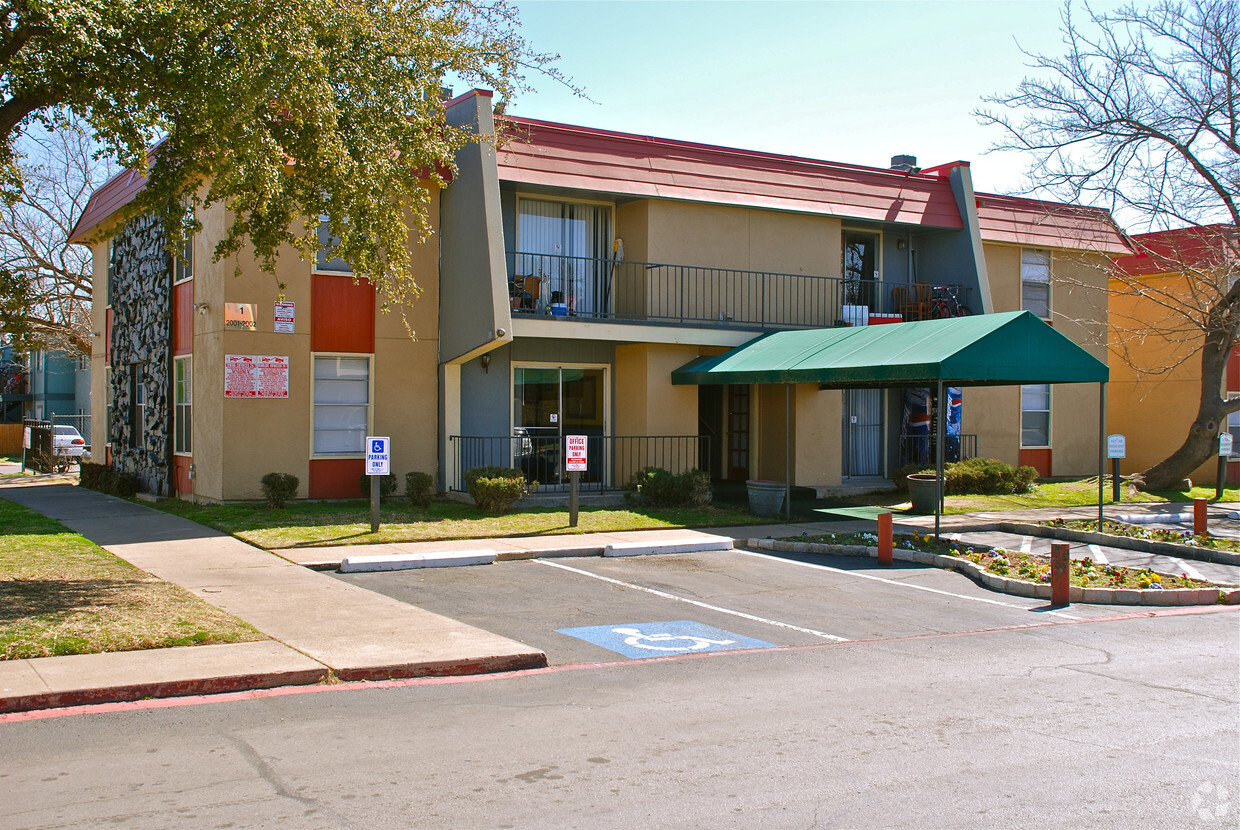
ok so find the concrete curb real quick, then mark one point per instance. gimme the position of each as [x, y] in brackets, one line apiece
[648, 548]
[1017, 587]
[409, 561]
[1093, 537]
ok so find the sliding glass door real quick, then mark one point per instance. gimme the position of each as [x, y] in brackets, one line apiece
[549, 403]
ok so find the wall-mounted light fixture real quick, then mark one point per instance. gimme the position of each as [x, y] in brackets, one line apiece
[485, 360]
[201, 308]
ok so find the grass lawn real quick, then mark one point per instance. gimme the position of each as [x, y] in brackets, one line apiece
[310, 524]
[61, 594]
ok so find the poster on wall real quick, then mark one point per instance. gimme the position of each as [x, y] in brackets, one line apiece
[286, 318]
[255, 376]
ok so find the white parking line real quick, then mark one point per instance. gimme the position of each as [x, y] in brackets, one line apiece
[1096, 554]
[898, 583]
[1187, 569]
[665, 595]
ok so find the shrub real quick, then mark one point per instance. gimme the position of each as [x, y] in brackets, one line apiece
[91, 475]
[279, 488]
[987, 475]
[657, 487]
[387, 486]
[125, 485]
[496, 489]
[419, 487]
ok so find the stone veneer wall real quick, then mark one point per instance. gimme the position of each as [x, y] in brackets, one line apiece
[141, 298]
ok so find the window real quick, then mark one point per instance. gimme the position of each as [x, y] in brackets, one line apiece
[1035, 415]
[341, 404]
[566, 244]
[326, 260]
[1233, 426]
[137, 406]
[108, 430]
[1035, 282]
[183, 262]
[182, 421]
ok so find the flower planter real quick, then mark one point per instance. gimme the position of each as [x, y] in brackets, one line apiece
[923, 488]
[765, 497]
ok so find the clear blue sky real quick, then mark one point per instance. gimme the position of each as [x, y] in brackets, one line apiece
[854, 82]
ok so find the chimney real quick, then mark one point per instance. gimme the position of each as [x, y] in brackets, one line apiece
[905, 164]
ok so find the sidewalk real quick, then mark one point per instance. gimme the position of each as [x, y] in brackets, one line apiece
[320, 626]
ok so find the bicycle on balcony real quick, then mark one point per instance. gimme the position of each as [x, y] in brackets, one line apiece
[944, 302]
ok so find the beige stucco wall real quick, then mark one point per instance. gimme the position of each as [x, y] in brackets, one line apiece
[647, 403]
[1078, 297]
[98, 344]
[817, 435]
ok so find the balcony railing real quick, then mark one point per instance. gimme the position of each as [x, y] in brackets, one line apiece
[921, 449]
[611, 459]
[689, 295]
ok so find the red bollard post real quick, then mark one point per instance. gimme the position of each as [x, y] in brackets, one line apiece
[884, 538]
[1199, 517]
[1060, 574]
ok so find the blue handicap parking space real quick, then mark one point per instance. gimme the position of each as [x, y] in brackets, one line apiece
[651, 639]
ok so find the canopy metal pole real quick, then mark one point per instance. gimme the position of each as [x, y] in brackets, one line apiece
[938, 464]
[1102, 446]
[787, 452]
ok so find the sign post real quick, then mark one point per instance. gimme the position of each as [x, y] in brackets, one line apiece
[575, 463]
[1115, 451]
[378, 464]
[1224, 452]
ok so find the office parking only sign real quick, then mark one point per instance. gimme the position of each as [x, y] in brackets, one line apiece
[575, 453]
[378, 456]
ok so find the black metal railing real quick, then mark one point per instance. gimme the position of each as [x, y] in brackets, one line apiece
[611, 459]
[921, 449]
[689, 295]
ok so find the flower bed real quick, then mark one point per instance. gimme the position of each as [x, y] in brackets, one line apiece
[1084, 573]
[1178, 537]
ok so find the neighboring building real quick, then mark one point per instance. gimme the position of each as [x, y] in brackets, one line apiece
[1155, 357]
[44, 385]
[574, 270]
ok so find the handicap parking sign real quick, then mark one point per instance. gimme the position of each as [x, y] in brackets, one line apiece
[652, 639]
[378, 456]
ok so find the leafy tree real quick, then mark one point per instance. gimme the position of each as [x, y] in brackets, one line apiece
[1140, 116]
[277, 110]
[45, 283]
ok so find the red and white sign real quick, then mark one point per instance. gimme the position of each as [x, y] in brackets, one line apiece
[286, 318]
[574, 452]
[255, 376]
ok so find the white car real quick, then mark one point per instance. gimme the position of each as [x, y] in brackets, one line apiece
[67, 443]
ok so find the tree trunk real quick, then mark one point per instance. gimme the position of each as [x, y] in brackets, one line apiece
[1202, 442]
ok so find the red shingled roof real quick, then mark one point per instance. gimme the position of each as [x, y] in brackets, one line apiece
[1162, 251]
[561, 155]
[1047, 224]
[115, 193]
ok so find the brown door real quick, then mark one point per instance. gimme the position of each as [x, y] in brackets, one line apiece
[738, 432]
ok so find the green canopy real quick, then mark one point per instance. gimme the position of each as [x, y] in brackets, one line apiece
[987, 350]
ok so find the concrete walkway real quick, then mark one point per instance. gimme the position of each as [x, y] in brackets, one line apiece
[319, 627]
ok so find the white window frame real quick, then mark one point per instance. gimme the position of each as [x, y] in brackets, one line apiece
[321, 265]
[183, 411]
[1027, 279]
[1023, 410]
[370, 401]
[183, 265]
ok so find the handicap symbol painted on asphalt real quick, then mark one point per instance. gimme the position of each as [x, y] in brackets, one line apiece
[654, 638]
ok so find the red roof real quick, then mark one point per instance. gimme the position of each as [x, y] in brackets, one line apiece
[1047, 224]
[561, 155]
[1162, 252]
[115, 193]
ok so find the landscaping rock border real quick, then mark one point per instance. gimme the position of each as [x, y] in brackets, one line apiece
[1017, 587]
[1093, 537]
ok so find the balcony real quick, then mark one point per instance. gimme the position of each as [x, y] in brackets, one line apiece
[589, 289]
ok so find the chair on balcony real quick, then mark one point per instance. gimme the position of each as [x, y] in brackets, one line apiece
[525, 292]
[907, 304]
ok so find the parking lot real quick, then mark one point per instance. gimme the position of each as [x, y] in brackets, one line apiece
[572, 608]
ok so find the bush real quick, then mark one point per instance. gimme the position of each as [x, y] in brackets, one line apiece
[125, 485]
[497, 489]
[387, 486]
[279, 488]
[976, 476]
[419, 487]
[91, 475]
[657, 487]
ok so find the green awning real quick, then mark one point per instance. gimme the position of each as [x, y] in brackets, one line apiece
[986, 350]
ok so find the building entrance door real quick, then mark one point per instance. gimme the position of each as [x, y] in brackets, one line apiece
[738, 432]
[863, 432]
[549, 403]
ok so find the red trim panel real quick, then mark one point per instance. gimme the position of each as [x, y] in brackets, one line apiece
[1039, 460]
[180, 474]
[183, 318]
[342, 314]
[1233, 472]
[336, 478]
[1233, 370]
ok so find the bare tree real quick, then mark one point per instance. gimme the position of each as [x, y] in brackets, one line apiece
[1141, 116]
[45, 283]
